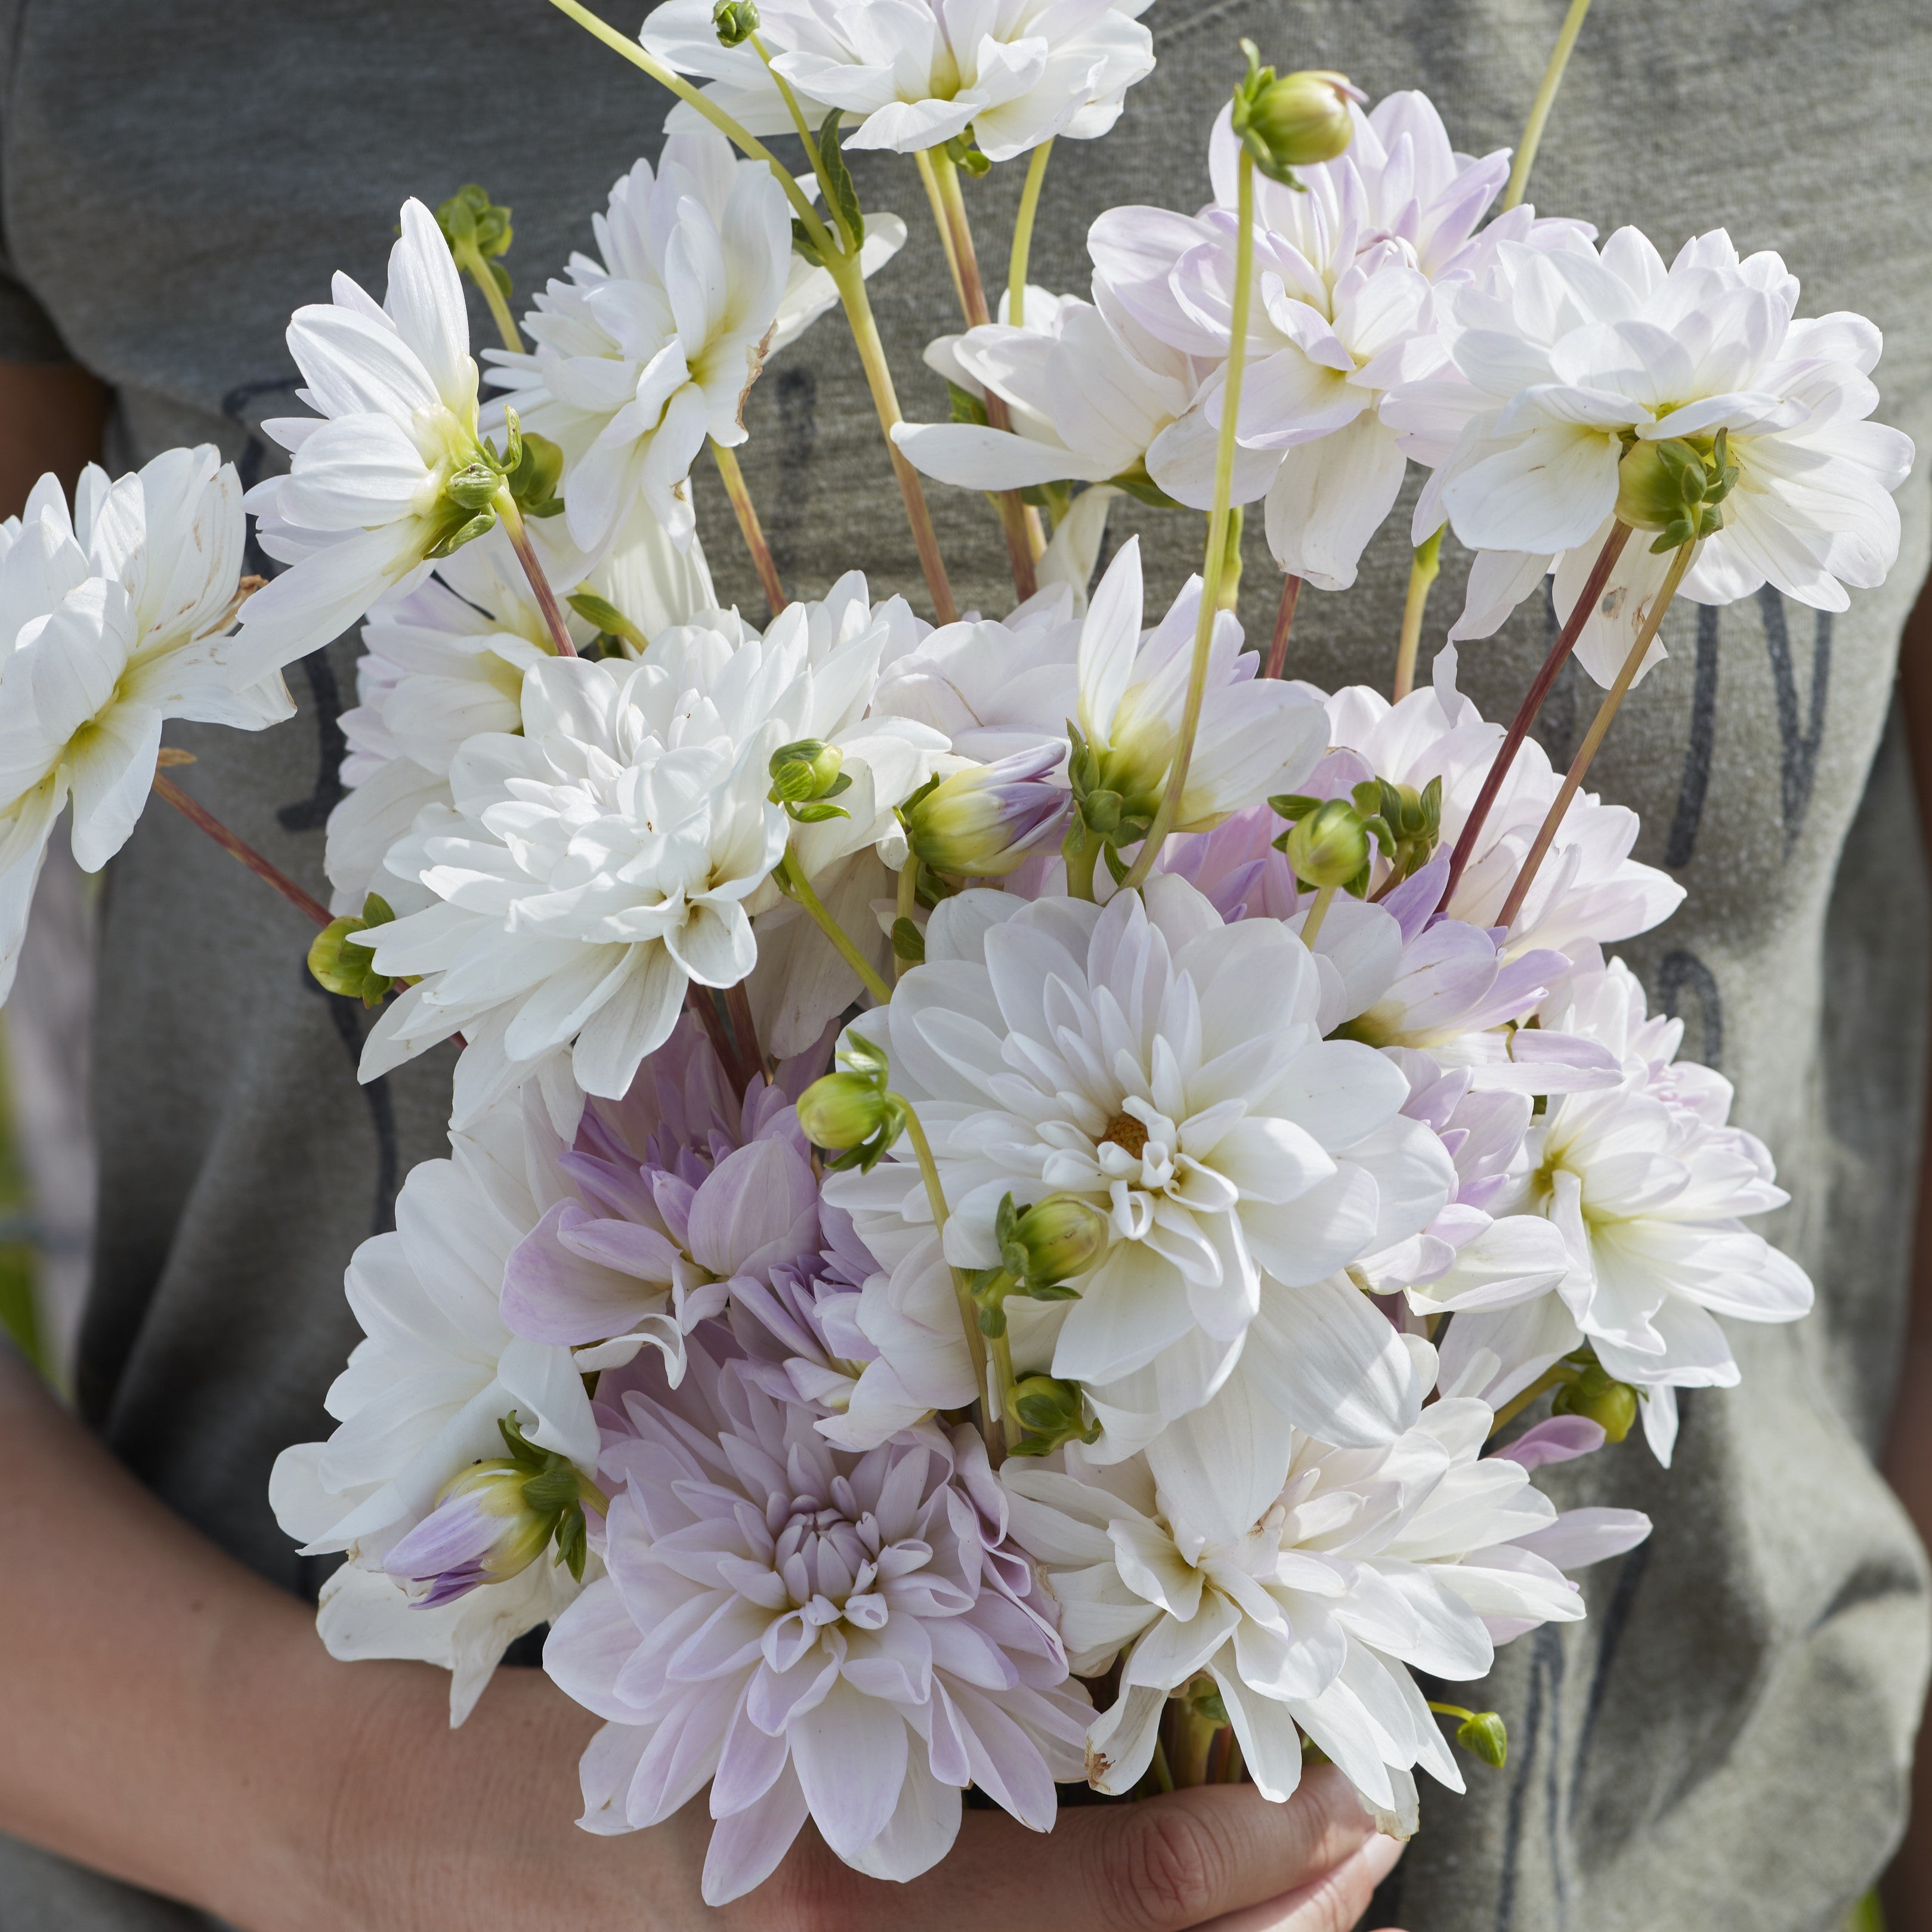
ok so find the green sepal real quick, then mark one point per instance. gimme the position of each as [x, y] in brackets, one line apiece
[908, 942]
[803, 244]
[967, 407]
[841, 195]
[608, 618]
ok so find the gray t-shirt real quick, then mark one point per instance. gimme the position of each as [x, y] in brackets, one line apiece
[1724, 1743]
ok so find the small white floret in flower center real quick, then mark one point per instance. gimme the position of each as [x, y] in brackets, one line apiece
[828, 1557]
[1138, 1152]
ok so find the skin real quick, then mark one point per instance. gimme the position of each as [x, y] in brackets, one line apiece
[172, 1719]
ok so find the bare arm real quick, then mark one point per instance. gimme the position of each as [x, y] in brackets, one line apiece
[52, 414]
[1908, 1460]
[173, 1720]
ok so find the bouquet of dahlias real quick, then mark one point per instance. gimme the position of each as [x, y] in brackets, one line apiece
[1026, 1195]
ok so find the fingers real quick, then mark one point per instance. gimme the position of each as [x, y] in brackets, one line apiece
[1165, 1864]
[1333, 1902]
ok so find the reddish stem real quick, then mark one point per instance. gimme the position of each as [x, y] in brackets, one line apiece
[1284, 621]
[1532, 703]
[553, 611]
[206, 821]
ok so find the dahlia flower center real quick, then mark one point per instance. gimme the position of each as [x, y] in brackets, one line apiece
[1139, 1153]
[829, 1563]
[1124, 1131]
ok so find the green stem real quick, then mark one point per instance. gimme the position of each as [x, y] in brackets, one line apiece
[1606, 711]
[1022, 249]
[793, 882]
[1546, 98]
[929, 178]
[1455, 1711]
[994, 1436]
[1217, 526]
[1550, 1378]
[1162, 1776]
[505, 506]
[797, 113]
[1004, 1381]
[849, 281]
[1324, 898]
[749, 527]
[695, 98]
[972, 305]
[1422, 569]
[908, 903]
[1080, 865]
[469, 258]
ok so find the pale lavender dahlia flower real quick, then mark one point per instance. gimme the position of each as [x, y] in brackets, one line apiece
[814, 1633]
[683, 1190]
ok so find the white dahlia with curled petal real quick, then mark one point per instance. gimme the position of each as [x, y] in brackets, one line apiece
[1169, 1069]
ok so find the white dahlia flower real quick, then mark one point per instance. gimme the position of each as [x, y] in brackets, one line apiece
[1168, 1069]
[1307, 1592]
[421, 1400]
[111, 623]
[363, 504]
[913, 74]
[1566, 358]
[594, 867]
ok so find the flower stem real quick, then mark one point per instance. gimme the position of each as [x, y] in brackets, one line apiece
[1217, 525]
[695, 98]
[1550, 1378]
[1080, 865]
[908, 903]
[850, 281]
[1194, 1737]
[930, 180]
[205, 821]
[1284, 623]
[514, 528]
[470, 258]
[792, 881]
[705, 1007]
[797, 113]
[1423, 567]
[1592, 738]
[990, 1430]
[1022, 249]
[1532, 703]
[749, 527]
[1546, 96]
[738, 1010]
[1324, 898]
[973, 303]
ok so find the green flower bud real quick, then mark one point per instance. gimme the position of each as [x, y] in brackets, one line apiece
[1597, 1395]
[1303, 118]
[1331, 846]
[1050, 1411]
[986, 820]
[339, 966]
[841, 1110]
[1049, 1243]
[1484, 1733]
[806, 776]
[1297, 120]
[737, 21]
[470, 220]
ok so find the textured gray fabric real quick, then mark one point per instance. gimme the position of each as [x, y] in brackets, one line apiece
[1724, 1742]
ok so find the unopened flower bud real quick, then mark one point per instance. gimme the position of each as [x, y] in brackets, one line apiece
[1050, 1242]
[806, 776]
[841, 1110]
[735, 20]
[493, 1520]
[340, 965]
[1051, 1412]
[1294, 120]
[985, 819]
[1303, 118]
[1484, 1733]
[1329, 847]
[1597, 1396]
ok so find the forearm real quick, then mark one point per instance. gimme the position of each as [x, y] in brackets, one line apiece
[171, 1718]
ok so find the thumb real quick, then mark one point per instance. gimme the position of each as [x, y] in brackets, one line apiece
[1332, 1903]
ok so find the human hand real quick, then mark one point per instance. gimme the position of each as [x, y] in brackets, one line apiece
[473, 1828]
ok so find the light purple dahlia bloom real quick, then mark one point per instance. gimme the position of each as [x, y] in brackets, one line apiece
[814, 1633]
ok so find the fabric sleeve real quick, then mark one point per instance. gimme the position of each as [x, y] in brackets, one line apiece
[27, 332]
